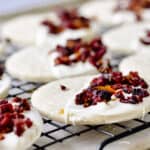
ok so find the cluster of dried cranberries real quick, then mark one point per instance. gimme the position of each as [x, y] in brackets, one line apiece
[76, 50]
[114, 86]
[12, 118]
[135, 6]
[70, 19]
[146, 39]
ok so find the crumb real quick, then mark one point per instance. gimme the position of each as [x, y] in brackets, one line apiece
[63, 87]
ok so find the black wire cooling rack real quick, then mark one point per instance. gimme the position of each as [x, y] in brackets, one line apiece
[51, 129]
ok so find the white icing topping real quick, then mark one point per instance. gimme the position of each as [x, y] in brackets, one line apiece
[75, 69]
[54, 99]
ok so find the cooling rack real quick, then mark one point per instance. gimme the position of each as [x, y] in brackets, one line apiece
[51, 128]
[49, 136]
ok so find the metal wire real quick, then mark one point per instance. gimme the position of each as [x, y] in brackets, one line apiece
[25, 89]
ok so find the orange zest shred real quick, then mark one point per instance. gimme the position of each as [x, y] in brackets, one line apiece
[106, 88]
[61, 111]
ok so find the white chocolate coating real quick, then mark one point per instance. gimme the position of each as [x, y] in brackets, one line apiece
[60, 105]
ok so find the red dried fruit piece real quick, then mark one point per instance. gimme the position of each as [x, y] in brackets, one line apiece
[1, 137]
[6, 121]
[4, 108]
[135, 6]
[134, 79]
[3, 101]
[127, 89]
[119, 94]
[12, 118]
[55, 29]
[116, 77]
[69, 19]
[63, 87]
[67, 15]
[22, 105]
[28, 122]
[76, 50]
[17, 99]
[19, 126]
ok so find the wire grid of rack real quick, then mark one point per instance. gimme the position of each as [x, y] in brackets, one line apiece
[25, 90]
[51, 128]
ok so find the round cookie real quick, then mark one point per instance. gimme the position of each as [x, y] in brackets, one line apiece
[126, 39]
[139, 62]
[51, 100]
[56, 100]
[63, 25]
[34, 64]
[21, 126]
[105, 12]
[31, 29]
[30, 64]
[22, 30]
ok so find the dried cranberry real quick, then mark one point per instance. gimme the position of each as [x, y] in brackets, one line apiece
[5, 121]
[76, 50]
[6, 108]
[55, 29]
[69, 19]
[19, 126]
[136, 6]
[28, 122]
[12, 118]
[119, 94]
[63, 87]
[127, 89]
[105, 95]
